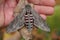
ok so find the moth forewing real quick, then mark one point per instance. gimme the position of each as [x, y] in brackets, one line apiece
[39, 22]
[19, 7]
[17, 23]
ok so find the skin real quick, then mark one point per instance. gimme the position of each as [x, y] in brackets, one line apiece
[43, 7]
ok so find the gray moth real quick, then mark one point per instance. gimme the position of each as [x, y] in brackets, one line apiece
[27, 17]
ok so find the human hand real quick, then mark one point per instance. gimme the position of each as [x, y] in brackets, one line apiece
[44, 7]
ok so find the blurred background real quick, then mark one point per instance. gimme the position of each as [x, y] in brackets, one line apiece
[54, 23]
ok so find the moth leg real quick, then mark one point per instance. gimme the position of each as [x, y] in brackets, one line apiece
[26, 34]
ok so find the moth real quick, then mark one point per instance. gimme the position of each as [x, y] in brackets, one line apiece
[27, 17]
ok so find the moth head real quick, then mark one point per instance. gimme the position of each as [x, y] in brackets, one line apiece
[28, 7]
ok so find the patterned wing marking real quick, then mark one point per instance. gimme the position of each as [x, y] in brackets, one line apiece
[39, 22]
[17, 23]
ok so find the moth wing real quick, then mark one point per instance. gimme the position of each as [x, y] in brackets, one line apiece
[39, 22]
[17, 23]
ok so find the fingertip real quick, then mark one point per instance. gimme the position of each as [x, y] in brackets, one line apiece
[43, 16]
[44, 9]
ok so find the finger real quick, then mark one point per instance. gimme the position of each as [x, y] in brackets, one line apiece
[43, 16]
[43, 2]
[1, 16]
[44, 9]
[8, 10]
[11, 3]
